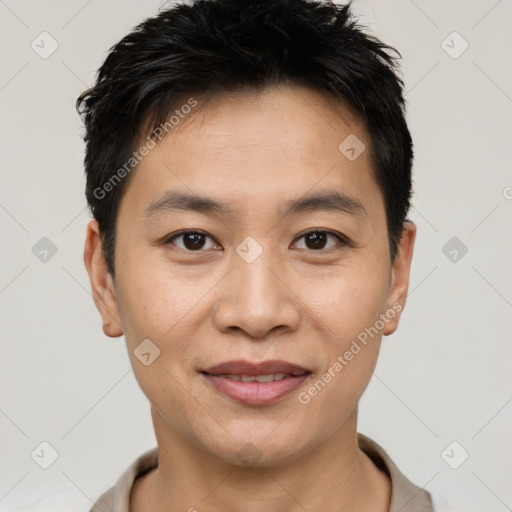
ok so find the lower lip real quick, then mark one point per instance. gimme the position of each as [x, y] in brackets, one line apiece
[256, 393]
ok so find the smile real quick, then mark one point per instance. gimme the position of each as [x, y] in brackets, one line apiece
[255, 383]
[258, 378]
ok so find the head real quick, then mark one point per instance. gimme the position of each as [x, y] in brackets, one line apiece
[249, 172]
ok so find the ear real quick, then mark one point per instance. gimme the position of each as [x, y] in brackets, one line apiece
[400, 272]
[102, 284]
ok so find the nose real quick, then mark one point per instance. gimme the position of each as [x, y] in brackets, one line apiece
[257, 299]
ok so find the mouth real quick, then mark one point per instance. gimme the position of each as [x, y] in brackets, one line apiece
[256, 383]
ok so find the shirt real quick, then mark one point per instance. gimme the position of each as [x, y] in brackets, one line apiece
[405, 496]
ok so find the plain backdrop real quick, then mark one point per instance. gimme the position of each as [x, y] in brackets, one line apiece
[444, 377]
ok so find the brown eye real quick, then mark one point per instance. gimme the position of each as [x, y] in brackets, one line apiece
[191, 241]
[319, 240]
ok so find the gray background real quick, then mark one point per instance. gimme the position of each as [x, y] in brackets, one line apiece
[444, 376]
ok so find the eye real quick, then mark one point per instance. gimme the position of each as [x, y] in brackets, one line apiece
[318, 240]
[192, 241]
[315, 240]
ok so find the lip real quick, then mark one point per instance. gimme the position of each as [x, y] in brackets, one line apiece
[256, 393]
[243, 367]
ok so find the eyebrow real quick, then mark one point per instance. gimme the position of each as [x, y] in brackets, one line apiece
[174, 201]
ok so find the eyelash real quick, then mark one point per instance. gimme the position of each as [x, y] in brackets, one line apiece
[342, 240]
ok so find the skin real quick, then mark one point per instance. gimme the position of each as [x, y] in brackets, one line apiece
[254, 152]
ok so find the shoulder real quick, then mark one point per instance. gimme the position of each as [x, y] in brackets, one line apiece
[117, 498]
[105, 502]
[405, 495]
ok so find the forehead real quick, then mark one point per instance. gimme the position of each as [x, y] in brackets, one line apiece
[264, 117]
[270, 145]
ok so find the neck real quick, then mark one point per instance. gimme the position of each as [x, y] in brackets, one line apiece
[334, 476]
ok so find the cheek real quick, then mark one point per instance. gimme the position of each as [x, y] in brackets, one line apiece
[167, 309]
[154, 303]
[157, 307]
[348, 307]
[348, 302]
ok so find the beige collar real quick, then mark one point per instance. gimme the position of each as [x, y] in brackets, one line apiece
[405, 496]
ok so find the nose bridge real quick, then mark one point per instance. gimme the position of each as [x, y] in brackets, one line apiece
[256, 284]
[256, 299]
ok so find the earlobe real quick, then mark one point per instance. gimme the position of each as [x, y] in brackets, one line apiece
[102, 285]
[400, 274]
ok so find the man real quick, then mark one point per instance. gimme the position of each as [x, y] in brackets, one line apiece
[249, 172]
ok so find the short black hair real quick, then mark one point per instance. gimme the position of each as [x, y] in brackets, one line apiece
[209, 46]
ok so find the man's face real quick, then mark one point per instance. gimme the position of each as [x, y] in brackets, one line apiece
[252, 285]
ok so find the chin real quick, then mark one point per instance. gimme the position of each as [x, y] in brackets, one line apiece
[255, 448]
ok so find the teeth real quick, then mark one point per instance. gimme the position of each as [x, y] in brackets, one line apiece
[265, 378]
[232, 377]
[279, 376]
[255, 378]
